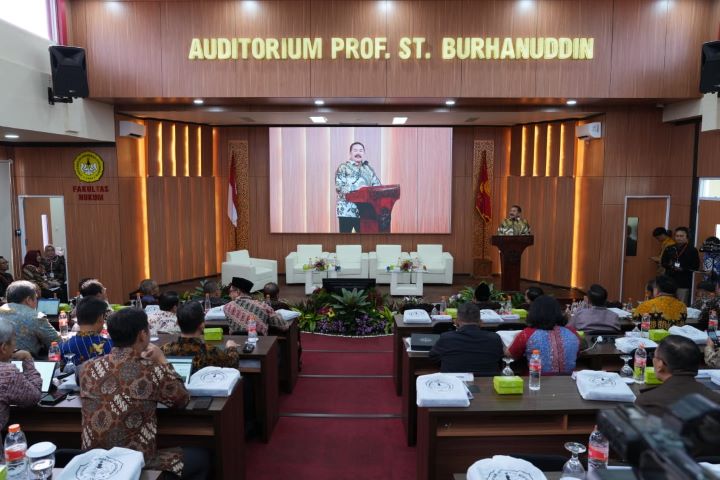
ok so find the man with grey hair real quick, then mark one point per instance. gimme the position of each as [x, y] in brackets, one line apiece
[32, 333]
[469, 348]
[16, 388]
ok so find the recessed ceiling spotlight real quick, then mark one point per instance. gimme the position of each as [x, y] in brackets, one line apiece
[571, 102]
[318, 119]
[399, 120]
[319, 102]
[449, 103]
[198, 101]
[12, 136]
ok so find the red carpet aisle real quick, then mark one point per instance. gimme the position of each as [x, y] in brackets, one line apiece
[342, 422]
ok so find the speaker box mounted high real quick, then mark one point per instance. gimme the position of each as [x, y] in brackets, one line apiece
[69, 74]
[710, 68]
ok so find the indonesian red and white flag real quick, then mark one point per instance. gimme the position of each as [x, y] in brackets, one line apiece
[232, 193]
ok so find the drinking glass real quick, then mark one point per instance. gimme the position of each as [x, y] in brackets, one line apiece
[626, 371]
[573, 468]
[507, 371]
[636, 321]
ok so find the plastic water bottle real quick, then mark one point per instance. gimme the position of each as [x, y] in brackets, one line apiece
[598, 451]
[713, 321]
[535, 370]
[645, 326]
[207, 305]
[3, 467]
[138, 301]
[63, 324]
[252, 332]
[54, 352]
[443, 305]
[15, 448]
[268, 302]
[640, 362]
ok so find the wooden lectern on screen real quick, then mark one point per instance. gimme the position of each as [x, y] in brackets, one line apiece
[375, 205]
[511, 249]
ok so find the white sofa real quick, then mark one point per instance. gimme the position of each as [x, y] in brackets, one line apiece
[383, 256]
[257, 270]
[294, 272]
[439, 264]
[352, 261]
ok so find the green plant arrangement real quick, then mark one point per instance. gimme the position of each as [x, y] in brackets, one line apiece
[352, 312]
[467, 294]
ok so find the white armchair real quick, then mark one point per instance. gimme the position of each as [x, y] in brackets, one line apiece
[352, 261]
[294, 272]
[257, 270]
[439, 264]
[383, 256]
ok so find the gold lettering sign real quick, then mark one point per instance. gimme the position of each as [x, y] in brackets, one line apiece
[377, 48]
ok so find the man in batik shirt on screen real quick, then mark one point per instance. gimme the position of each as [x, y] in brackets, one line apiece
[350, 176]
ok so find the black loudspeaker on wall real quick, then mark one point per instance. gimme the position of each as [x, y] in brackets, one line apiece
[69, 74]
[710, 68]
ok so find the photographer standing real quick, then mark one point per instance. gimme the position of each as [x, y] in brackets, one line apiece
[680, 261]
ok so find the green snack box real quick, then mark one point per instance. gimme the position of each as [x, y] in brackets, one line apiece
[521, 312]
[212, 334]
[657, 334]
[650, 378]
[3, 472]
[508, 385]
[581, 334]
[452, 312]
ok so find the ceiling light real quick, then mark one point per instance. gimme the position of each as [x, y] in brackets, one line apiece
[198, 101]
[449, 103]
[12, 136]
[571, 102]
[319, 102]
[318, 119]
[399, 120]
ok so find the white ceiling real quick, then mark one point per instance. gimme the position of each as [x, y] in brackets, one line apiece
[235, 116]
[35, 136]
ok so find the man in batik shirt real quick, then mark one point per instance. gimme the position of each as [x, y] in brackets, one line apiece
[190, 343]
[350, 176]
[244, 308]
[120, 393]
[514, 224]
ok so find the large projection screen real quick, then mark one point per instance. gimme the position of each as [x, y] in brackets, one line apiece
[304, 163]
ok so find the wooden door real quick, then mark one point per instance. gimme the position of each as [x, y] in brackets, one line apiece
[645, 215]
[33, 210]
[708, 220]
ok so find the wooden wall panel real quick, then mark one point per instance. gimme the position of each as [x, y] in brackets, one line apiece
[709, 154]
[429, 78]
[708, 219]
[348, 77]
[576, 18]
[133, 232]
[499, 78]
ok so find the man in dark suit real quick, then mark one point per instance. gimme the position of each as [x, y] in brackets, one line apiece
[469, 349]
[676, 363]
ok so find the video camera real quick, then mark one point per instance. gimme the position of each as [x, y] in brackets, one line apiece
[660, 448]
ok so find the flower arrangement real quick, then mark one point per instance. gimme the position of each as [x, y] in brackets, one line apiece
[319, 265]
[406, 265]
[354, 312]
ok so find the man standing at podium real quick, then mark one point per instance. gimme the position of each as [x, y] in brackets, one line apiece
[350, 176]
[514, 224]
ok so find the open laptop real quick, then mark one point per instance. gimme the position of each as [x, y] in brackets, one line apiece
[46, 370]
[183, 367]
[49, 306]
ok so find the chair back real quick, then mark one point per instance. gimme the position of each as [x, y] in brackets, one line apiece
[312, 251]
[429, 251]
[240, 257]
[387, 254]
[348, 253]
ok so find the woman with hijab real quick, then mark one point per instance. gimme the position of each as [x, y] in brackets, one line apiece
[33, 271]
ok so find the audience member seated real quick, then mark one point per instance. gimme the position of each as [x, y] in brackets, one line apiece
[482, 298]
[87, 343]
[530, 295]
[245, 308]
[559, 346]
[32, 333]
[704, 294]
[597, 318]
[680, 261]
[468, 349]
[149, 292]
[191, 342]
[271, 291]
[135, 374]
[16, 388]
[676, 363]
[212, 288]
[33, 272]
[664, 302]
[165, 319]
[5, 278]
[712, 354]
[55, 271]
[90, 288]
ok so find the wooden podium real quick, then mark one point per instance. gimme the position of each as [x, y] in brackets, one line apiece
[375, 205]
[511, 249]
